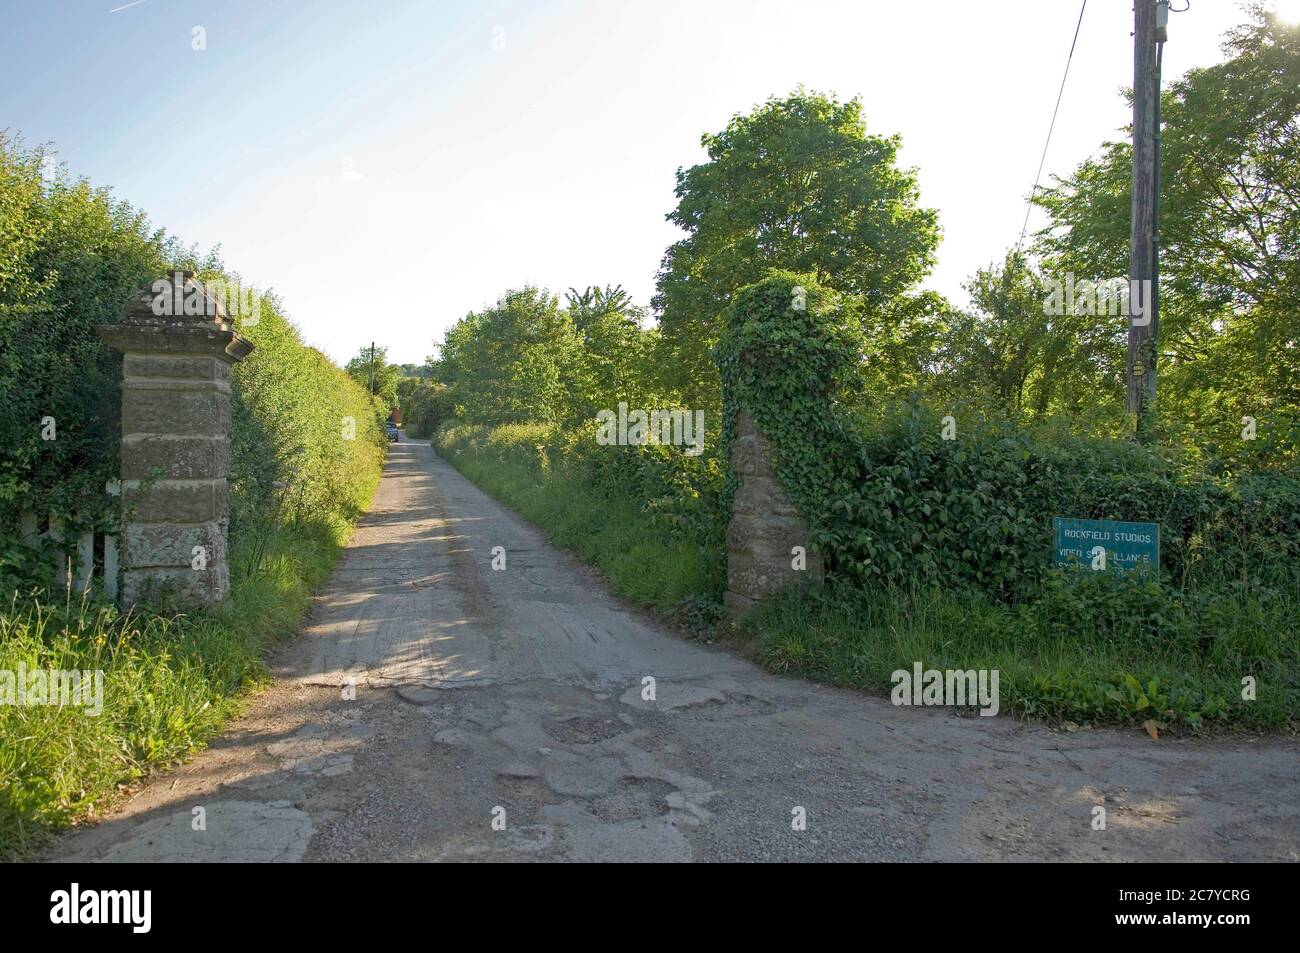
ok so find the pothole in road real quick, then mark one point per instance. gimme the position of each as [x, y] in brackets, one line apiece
[636, 798]
[585, 729]
[418, 694]
[754, 704]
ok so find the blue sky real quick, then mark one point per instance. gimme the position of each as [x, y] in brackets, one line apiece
[386, 166]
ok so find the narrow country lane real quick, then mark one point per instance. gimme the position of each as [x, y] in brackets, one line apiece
[515, 696]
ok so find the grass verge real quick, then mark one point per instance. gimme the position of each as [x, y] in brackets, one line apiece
[1105, 651]
[1088, 648]
[639, 558]
[170, 681]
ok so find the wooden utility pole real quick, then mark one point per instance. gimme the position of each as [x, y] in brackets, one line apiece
[372, 368]
[1144, 320]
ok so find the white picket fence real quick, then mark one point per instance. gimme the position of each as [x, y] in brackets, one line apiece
[94, 567]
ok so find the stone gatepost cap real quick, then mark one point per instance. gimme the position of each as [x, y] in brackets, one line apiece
[176, 314]
[178, 297]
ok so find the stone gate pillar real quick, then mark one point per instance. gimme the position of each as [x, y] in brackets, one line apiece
[765, 526]
[178, 347]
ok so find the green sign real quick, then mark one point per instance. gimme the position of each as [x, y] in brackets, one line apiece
[1106, 544]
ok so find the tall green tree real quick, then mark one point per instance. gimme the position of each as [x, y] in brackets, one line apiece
[1026, 349]
[372, 371]
[797, 184]
[425, 405]
[513, 361]
[1230, 239]
[617, 351]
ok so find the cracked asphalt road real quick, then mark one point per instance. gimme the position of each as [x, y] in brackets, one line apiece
[499, 715]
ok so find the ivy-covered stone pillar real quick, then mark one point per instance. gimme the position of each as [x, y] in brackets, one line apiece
[786, 356]
[178, 348]
[767, 541]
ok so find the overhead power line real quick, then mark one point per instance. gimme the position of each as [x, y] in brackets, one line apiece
[1029, 207]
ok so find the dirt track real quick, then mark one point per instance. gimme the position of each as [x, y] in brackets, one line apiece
[516, 695]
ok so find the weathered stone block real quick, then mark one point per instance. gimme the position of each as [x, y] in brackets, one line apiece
[182, 367]
[765, 527]
[176, 429]
[766, 537]
[173, 412]
[737, 604]
[207, 588]
[762, 495]
[179, 458]
[746, 452]
[164, 544]
[758, 576]
[176, 501]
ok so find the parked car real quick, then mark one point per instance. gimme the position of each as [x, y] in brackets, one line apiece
[394, 435]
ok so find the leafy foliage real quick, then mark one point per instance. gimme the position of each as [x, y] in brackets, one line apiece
[1010, 353]
[77, 254]
[71, 256]
[293, 458]
[891, 501]
[373, 372]
[425, 405]
[646, 516]
[510, 361]
[1229, 234]
[796, 184]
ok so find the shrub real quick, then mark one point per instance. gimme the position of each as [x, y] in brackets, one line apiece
[890, 501]
[72, 257]
[425, 407]
[1094, 647]
[77, 255]
[939, 550]
[290, 456]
